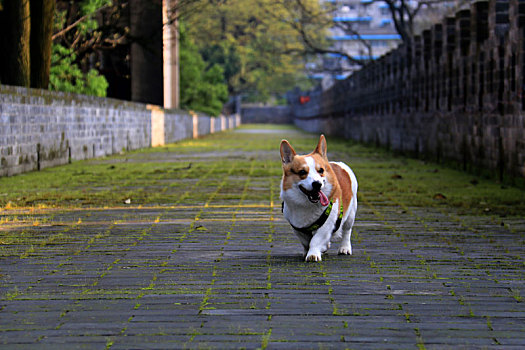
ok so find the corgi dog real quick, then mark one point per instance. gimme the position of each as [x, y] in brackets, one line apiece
[319, 199]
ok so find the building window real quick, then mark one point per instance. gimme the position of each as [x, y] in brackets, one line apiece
[377, 43]
[385, 22]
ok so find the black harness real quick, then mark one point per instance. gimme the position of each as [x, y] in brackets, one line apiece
[320, 222]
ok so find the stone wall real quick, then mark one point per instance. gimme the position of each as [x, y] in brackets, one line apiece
[39, 128]
[455, 93]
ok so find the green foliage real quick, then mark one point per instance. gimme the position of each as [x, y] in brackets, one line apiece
[226, 56]
[83, 16]
[88, 8]
[202, 89]
[66, 76]
[71, 50]
[257, 43]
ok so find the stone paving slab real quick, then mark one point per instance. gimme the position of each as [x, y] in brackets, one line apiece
[227, 273]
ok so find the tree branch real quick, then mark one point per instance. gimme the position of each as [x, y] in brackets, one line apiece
[298, 24]
[77, 22]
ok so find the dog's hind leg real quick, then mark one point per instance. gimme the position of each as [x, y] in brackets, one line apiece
[346, 246]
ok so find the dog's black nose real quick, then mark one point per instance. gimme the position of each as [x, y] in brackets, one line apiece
[316, 186]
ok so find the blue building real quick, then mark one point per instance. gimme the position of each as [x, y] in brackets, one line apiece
[363, 29]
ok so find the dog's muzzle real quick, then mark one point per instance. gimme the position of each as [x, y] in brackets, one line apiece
[315, 195]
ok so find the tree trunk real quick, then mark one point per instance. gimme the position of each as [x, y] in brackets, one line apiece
[15, 61]
[146, 51]
[170, 43]
[42, 12]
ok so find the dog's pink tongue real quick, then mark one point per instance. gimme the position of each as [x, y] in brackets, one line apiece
[323, 198]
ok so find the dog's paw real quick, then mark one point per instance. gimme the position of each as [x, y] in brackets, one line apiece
[345, 250]
[313, 257]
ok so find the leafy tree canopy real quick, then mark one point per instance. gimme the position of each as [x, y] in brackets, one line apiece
[254, 42]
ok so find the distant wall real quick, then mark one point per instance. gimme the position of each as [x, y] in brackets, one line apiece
[39, 128]
[456, 93]
[271, 115]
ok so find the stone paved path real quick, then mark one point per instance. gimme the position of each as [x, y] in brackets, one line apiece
[226, 272]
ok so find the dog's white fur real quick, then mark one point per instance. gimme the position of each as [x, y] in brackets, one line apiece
[302, 212]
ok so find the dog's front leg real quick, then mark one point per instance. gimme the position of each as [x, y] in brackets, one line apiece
[319, 244]
[305, 240]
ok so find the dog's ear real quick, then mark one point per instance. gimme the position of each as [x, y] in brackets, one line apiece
[321, 146]
[287, 152]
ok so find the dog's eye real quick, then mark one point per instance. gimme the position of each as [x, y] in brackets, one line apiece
[302, 173]
[321, 171]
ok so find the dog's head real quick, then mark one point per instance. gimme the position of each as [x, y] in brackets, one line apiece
[307, 177]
